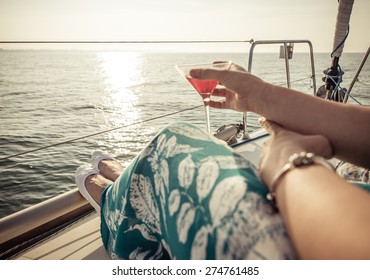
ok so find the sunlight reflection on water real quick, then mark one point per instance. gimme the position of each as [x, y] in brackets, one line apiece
[121, 71]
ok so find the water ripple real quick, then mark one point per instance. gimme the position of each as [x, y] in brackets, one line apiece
[83, 93]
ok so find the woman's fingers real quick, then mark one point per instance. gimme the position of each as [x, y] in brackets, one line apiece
[271, 127]
[296, 142]
[219, 104]
[209, 74]
[221, 92]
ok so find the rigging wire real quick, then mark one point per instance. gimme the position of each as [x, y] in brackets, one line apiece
[294, 81]
[125, 42]
[100, 132]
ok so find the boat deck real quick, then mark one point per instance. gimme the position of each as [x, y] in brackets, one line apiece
[79, 241]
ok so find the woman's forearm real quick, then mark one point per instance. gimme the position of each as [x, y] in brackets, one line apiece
[326, 217]
[346, 126]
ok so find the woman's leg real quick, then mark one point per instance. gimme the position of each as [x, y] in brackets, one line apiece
[110, 169]
[189, 196]
[95, 184]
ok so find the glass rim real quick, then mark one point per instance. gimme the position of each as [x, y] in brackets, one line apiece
[203, 64]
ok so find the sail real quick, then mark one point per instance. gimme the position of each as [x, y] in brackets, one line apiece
[342, 25]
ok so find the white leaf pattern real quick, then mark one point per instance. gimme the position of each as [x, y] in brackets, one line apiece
[115, 188]
[184, 221]
[171, 144]
[225, 197]
[158, 254]
[159, 186]
[138, 254]
[113, 255]
[229, 162]
[113, 217]
[182, 149]
[161, 143]
[254, 231]
[143, 202]
[199, 247]
[165, 173]
[186, 172]
[166, 247]
[144, 230]
[208, 172]
[115, 191]
[146, 151]
[153, 160]
[174, 201]
[189, 131]
[234, 236]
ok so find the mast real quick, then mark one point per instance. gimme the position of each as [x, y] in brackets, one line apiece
[334, 73]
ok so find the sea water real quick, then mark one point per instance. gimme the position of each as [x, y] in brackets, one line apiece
[56, 107]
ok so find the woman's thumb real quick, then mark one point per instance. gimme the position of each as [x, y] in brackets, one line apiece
[270, 126]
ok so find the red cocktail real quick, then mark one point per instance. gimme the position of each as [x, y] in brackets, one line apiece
[203, 87]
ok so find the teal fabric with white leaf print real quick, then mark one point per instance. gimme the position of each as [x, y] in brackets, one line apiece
[188, 195]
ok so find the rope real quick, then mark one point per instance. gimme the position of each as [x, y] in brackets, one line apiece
[98, 133]
[335, 93]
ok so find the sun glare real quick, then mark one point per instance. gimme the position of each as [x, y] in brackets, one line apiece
[121, 71]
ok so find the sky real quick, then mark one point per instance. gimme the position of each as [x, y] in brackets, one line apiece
[182, 20]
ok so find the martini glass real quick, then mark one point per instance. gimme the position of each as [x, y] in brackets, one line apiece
[203, 87]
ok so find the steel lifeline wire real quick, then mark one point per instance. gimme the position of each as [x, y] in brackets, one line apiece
[114, 42]
[100, 132]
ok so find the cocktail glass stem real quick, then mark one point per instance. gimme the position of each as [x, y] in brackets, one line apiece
[208, 123]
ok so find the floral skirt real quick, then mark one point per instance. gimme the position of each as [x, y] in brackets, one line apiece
[188, 195]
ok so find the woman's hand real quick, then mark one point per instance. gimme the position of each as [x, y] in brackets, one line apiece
[282, 144]
[239, 87]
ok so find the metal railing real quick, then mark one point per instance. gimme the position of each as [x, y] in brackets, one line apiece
[356, 76]
[287, 44]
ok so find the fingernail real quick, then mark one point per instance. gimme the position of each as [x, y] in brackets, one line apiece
[194, 73]
[261, 120]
